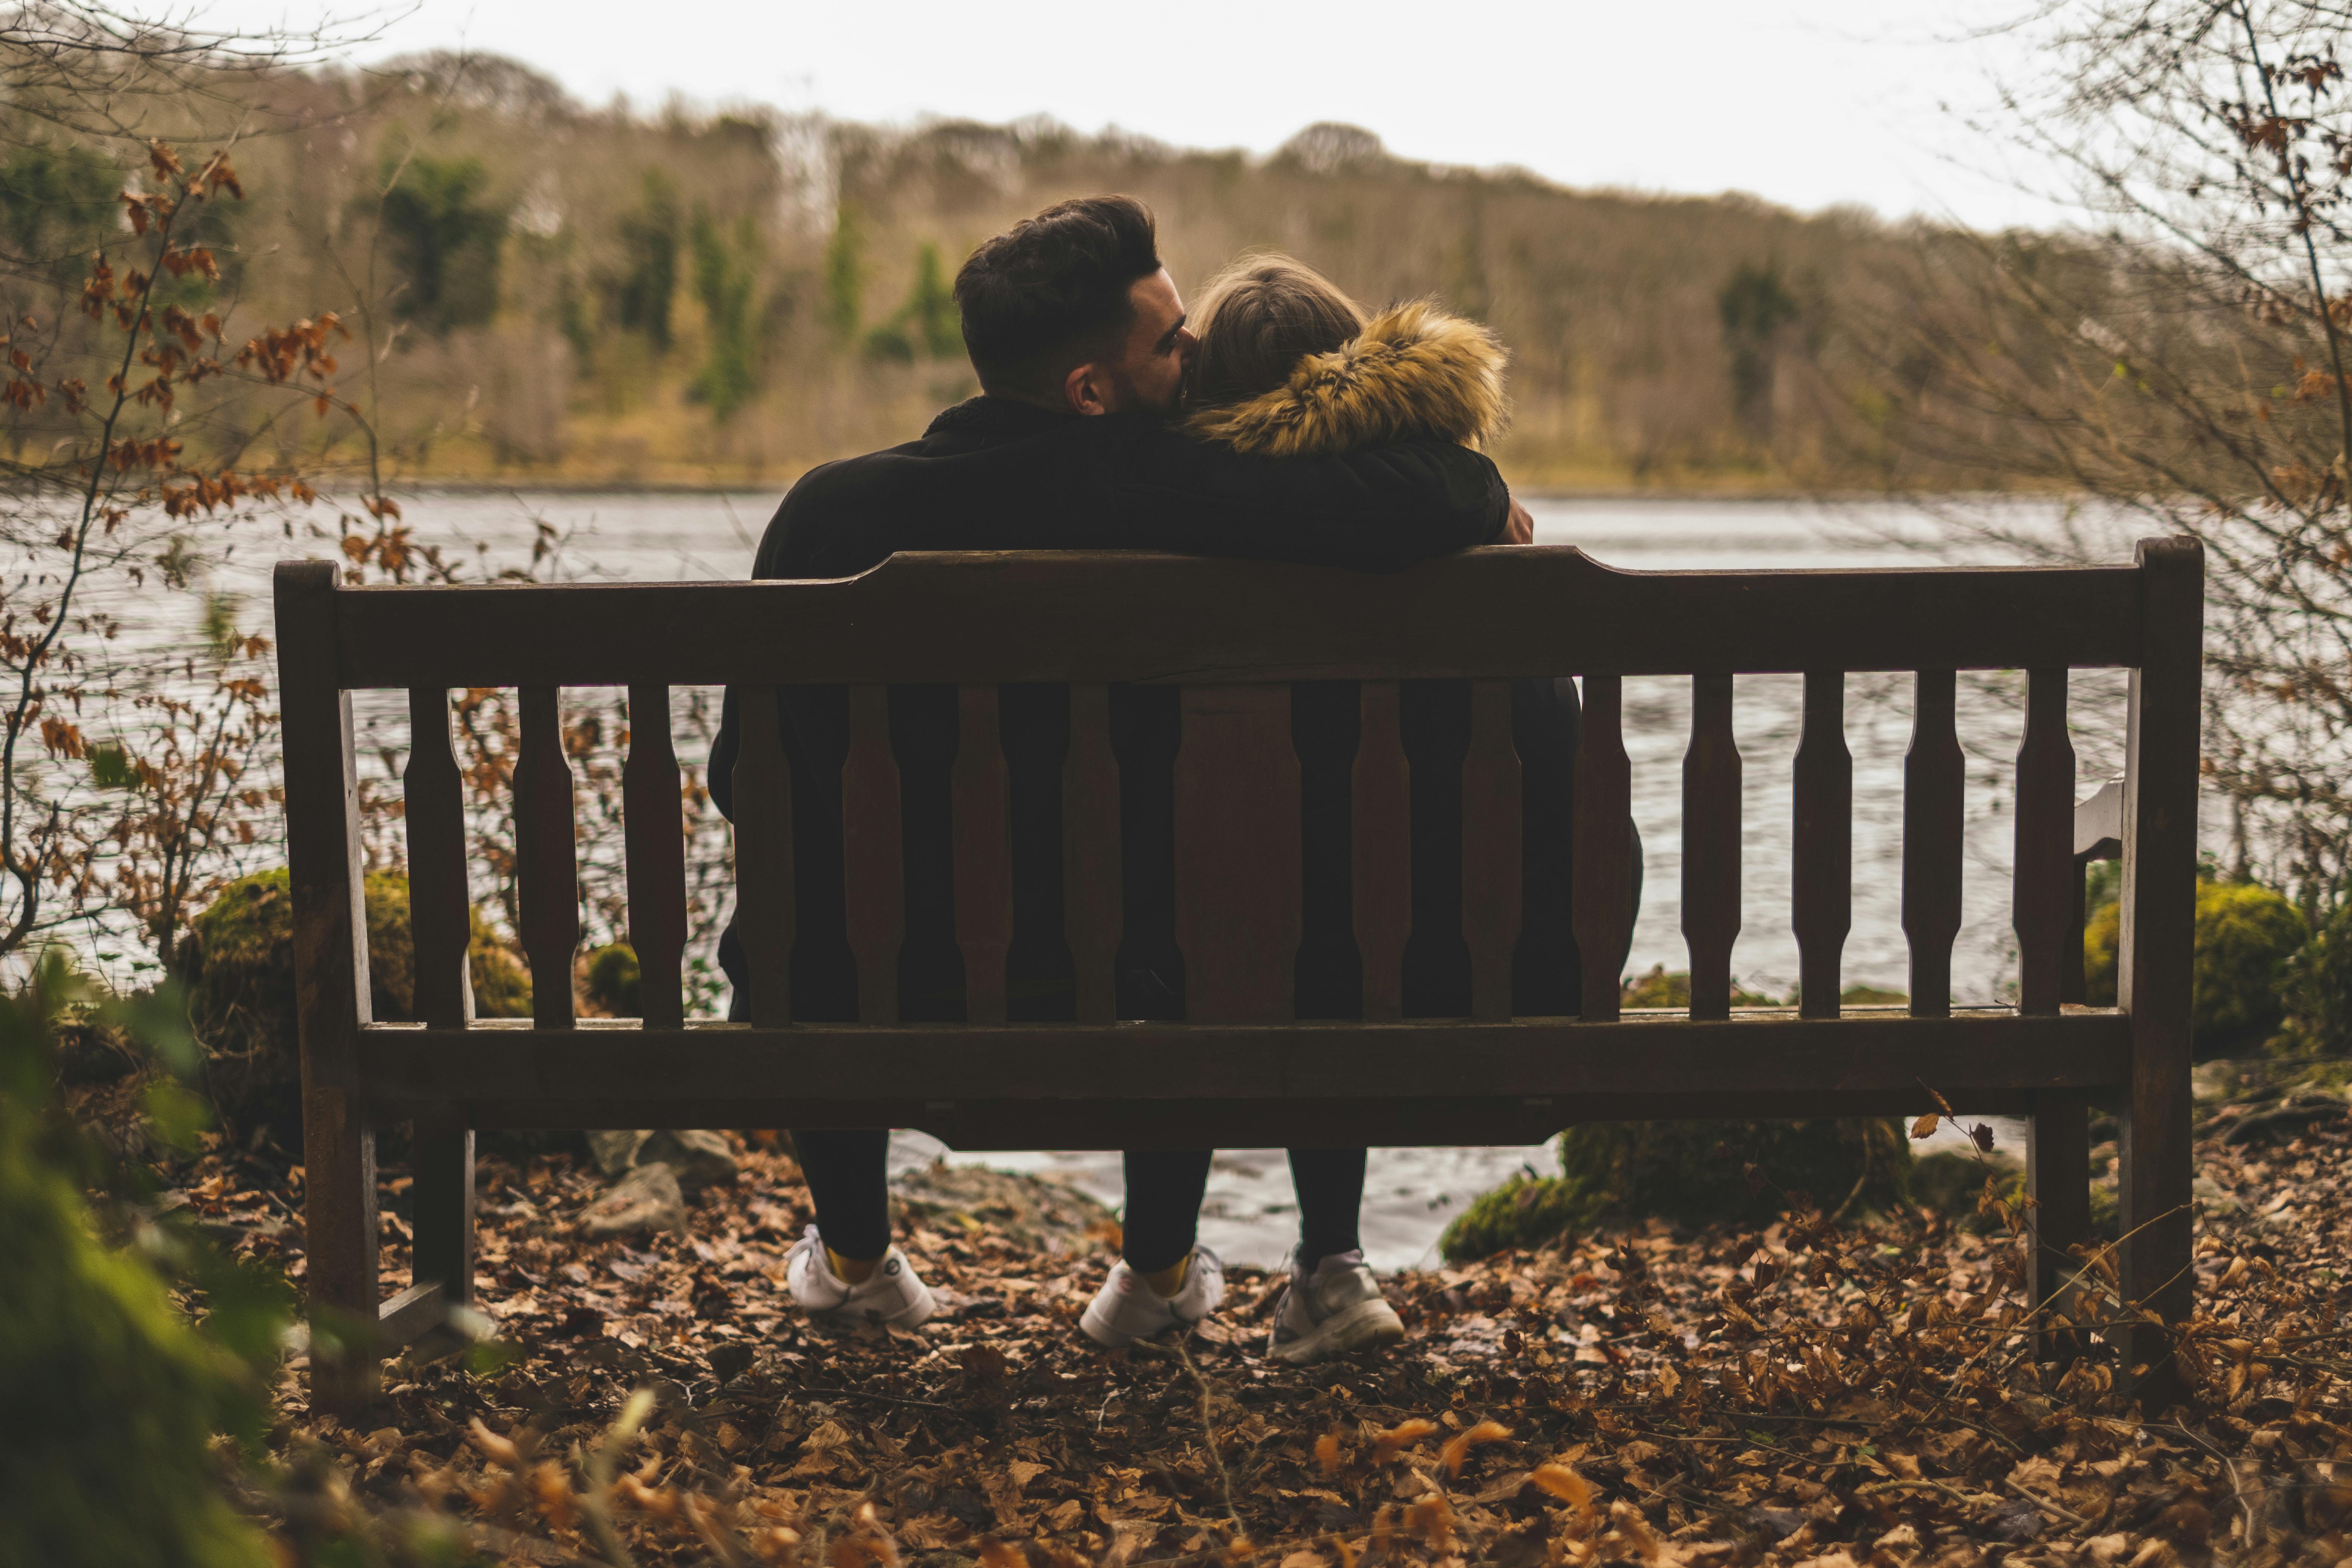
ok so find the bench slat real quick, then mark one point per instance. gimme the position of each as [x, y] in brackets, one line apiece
[1490, 851]
[1237, 854]
[1382, 825]
[440, 914]
[1604, 892]
[1822, 896]
[983, 854]
[2041, 893]
[654, 842]
[766, 906]
[1711, 831]
[917, 1071]
[547, 857]
[1091, 912]
[1934, 781]
[875, 893]
[1516, 610]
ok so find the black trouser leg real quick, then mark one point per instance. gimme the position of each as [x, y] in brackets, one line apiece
[848, 1178]
[1164, 1188]
[1331, 1187]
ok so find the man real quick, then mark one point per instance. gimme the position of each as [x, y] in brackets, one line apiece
[1078, 335]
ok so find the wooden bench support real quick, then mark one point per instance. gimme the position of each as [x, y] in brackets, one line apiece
[411, 1314]
[2157, 950]
[443, 1220]
[2058, 1180]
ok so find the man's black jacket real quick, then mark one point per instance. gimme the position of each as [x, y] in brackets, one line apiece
[992, 474]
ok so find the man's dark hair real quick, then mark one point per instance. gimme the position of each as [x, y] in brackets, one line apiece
[1051, 292]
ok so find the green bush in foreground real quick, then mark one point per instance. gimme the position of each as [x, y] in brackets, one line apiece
[2246, 936]
[1694, 1172]
[110, 1398]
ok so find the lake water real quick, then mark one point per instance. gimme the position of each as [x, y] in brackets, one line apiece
[1411, 1194]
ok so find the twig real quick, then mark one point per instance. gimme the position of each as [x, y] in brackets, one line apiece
[882, 1398]
[2228, 1465]
[1900, 1483]
[1209, 1436]
[2046, 1505]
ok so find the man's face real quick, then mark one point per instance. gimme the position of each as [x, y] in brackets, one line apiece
[1149, 373]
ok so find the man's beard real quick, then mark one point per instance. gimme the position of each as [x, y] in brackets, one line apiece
[1131, 399]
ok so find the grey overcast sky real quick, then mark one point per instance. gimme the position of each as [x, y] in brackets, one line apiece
[1805, 102]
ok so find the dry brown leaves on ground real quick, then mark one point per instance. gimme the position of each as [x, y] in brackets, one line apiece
[1873, 1395]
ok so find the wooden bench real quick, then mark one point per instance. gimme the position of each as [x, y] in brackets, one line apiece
[1242, 1070]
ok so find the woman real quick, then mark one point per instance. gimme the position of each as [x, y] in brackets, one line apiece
[1289, 366]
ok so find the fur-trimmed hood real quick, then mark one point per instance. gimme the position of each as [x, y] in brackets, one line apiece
[1414, 371]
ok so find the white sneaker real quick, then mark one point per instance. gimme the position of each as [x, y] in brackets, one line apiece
[1337, 1307]
[893, 1294]
[1127, 1309]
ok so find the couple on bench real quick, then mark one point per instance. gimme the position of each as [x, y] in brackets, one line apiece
[1276, 422]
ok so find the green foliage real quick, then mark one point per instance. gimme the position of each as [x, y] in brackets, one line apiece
[239, 963]
[1692, 1172]
[927, 321]
[445, 230]
[1522, 1214]
[932, 305]
[612, 980]
[648, 280]
[2245, 936]
[110, 1397]
[727, 260]
[55, 202]
[844, 275]
[1754, 306]
[2318, 988]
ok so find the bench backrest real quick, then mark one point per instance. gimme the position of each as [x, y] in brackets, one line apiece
[1233, 634]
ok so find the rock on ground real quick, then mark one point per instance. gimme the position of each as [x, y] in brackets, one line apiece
[700, 1157]
[647, 1199]
[1033, 1212]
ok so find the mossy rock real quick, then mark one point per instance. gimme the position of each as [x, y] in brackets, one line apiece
[2246, 934]
[1662, 988]
[238, 964]
[1696, 1172]
[1522, 1214]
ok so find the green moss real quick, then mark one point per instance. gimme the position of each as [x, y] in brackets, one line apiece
[109, 1397]
[1694, 1172]
[1659, 988]
[612, 980]
[240, 970]
[2245, 936]
[1524, 1212]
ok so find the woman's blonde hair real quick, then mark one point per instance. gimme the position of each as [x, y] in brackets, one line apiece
[1256, 320]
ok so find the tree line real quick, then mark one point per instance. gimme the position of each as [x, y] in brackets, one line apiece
[555, 291]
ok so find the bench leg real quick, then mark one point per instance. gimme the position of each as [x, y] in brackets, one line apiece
[2058, 1180]
[339, 1241]
[444, 1220]
[2155, 1175]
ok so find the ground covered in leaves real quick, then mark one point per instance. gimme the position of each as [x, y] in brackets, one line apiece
[1869, 1393]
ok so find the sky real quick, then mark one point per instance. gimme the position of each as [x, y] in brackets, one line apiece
[1805, 104]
